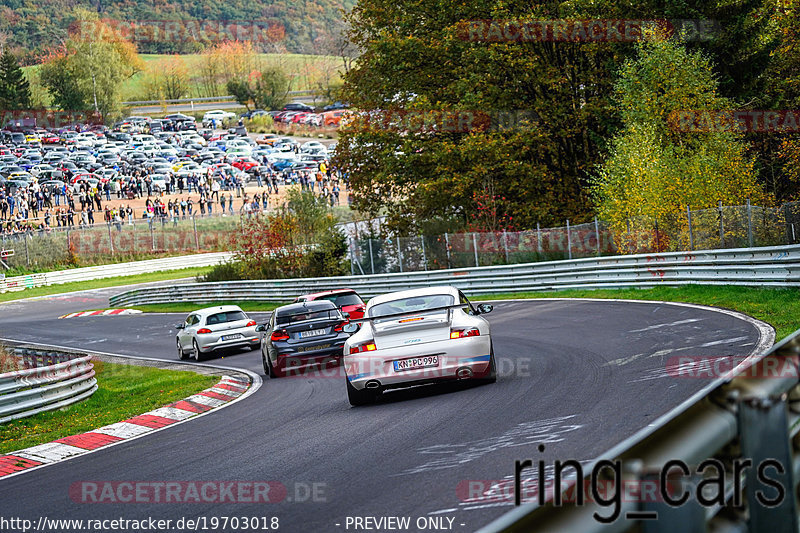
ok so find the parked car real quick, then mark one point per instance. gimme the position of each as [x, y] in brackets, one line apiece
[298, 106]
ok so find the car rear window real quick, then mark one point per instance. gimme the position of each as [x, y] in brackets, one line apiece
[340, 300]
[228, 316]
[311, 315]
[411, 305]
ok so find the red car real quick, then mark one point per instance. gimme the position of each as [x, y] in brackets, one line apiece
[51, 138]
[245, 163]
[347, 300]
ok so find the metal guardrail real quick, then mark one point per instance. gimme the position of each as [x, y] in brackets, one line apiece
[749, 417]
[51, 380]
[225, 98]
[18, 283]
[770, 266]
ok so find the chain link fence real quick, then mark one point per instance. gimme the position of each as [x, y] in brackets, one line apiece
[723, 227]
[117, 241]
[701, 229]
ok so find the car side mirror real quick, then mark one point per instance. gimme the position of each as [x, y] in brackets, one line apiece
[346, 316]
[261, 327]
[352, 327]
[180, 326]
[484, 308]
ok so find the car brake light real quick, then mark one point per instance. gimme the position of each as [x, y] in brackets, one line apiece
[251, 323]
[340, 326]
[459, 333]
[279, 335]
[203, 330]
[368, 346]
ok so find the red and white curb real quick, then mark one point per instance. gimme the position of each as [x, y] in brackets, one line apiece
[103, 312]
[224, 392]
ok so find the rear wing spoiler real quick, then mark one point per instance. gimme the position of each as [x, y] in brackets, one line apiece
[408, 313]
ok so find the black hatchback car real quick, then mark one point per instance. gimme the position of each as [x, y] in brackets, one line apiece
[302, 337]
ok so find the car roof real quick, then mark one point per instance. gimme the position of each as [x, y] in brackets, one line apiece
[411, 293]
[321, 294]
[300, 307]
[216, 309]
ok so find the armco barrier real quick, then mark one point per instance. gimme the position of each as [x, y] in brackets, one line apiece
[51, 380]
[750, 417]
[19, 283]
[772, 266]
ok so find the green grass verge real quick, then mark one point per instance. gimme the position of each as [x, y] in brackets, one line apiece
[102, 283]
[778, 307]
[189, 307]
[124, 391]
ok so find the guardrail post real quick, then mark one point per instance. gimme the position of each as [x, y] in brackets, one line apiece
[569, 241]
[447, 249]
[721, 226]
[351, 246]
[691, 232]
[764, 438]
[196, 239]
[399, 254]
[371, 261]
[597, 235]
[424, 257]
[505, 244]
[749, 224]
[658, 239]
[475, 247]
[538, 238]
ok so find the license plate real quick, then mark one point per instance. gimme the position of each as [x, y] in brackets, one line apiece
[312, 333]
[231, 337]
[313, 348]
[416, 363]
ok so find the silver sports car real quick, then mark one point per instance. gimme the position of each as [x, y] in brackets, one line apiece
[417, 336]
[215, 328]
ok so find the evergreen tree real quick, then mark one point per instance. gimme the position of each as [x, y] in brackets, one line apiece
[15, 92]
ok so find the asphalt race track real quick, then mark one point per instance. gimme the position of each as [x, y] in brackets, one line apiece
[579, 376]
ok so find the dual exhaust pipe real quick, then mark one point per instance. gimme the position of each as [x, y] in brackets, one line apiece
[463, 372]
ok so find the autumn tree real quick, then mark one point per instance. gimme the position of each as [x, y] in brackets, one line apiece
[655, 167]
[267, 89]
[89, 71]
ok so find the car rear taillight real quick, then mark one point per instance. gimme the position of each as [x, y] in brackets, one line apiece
[368, 346]
[279, 335]
[459, 333]
[251, 323]
[203, 330]
[340, 326]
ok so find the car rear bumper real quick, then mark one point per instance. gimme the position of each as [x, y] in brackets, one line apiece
[214, 342]
[472, 353]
